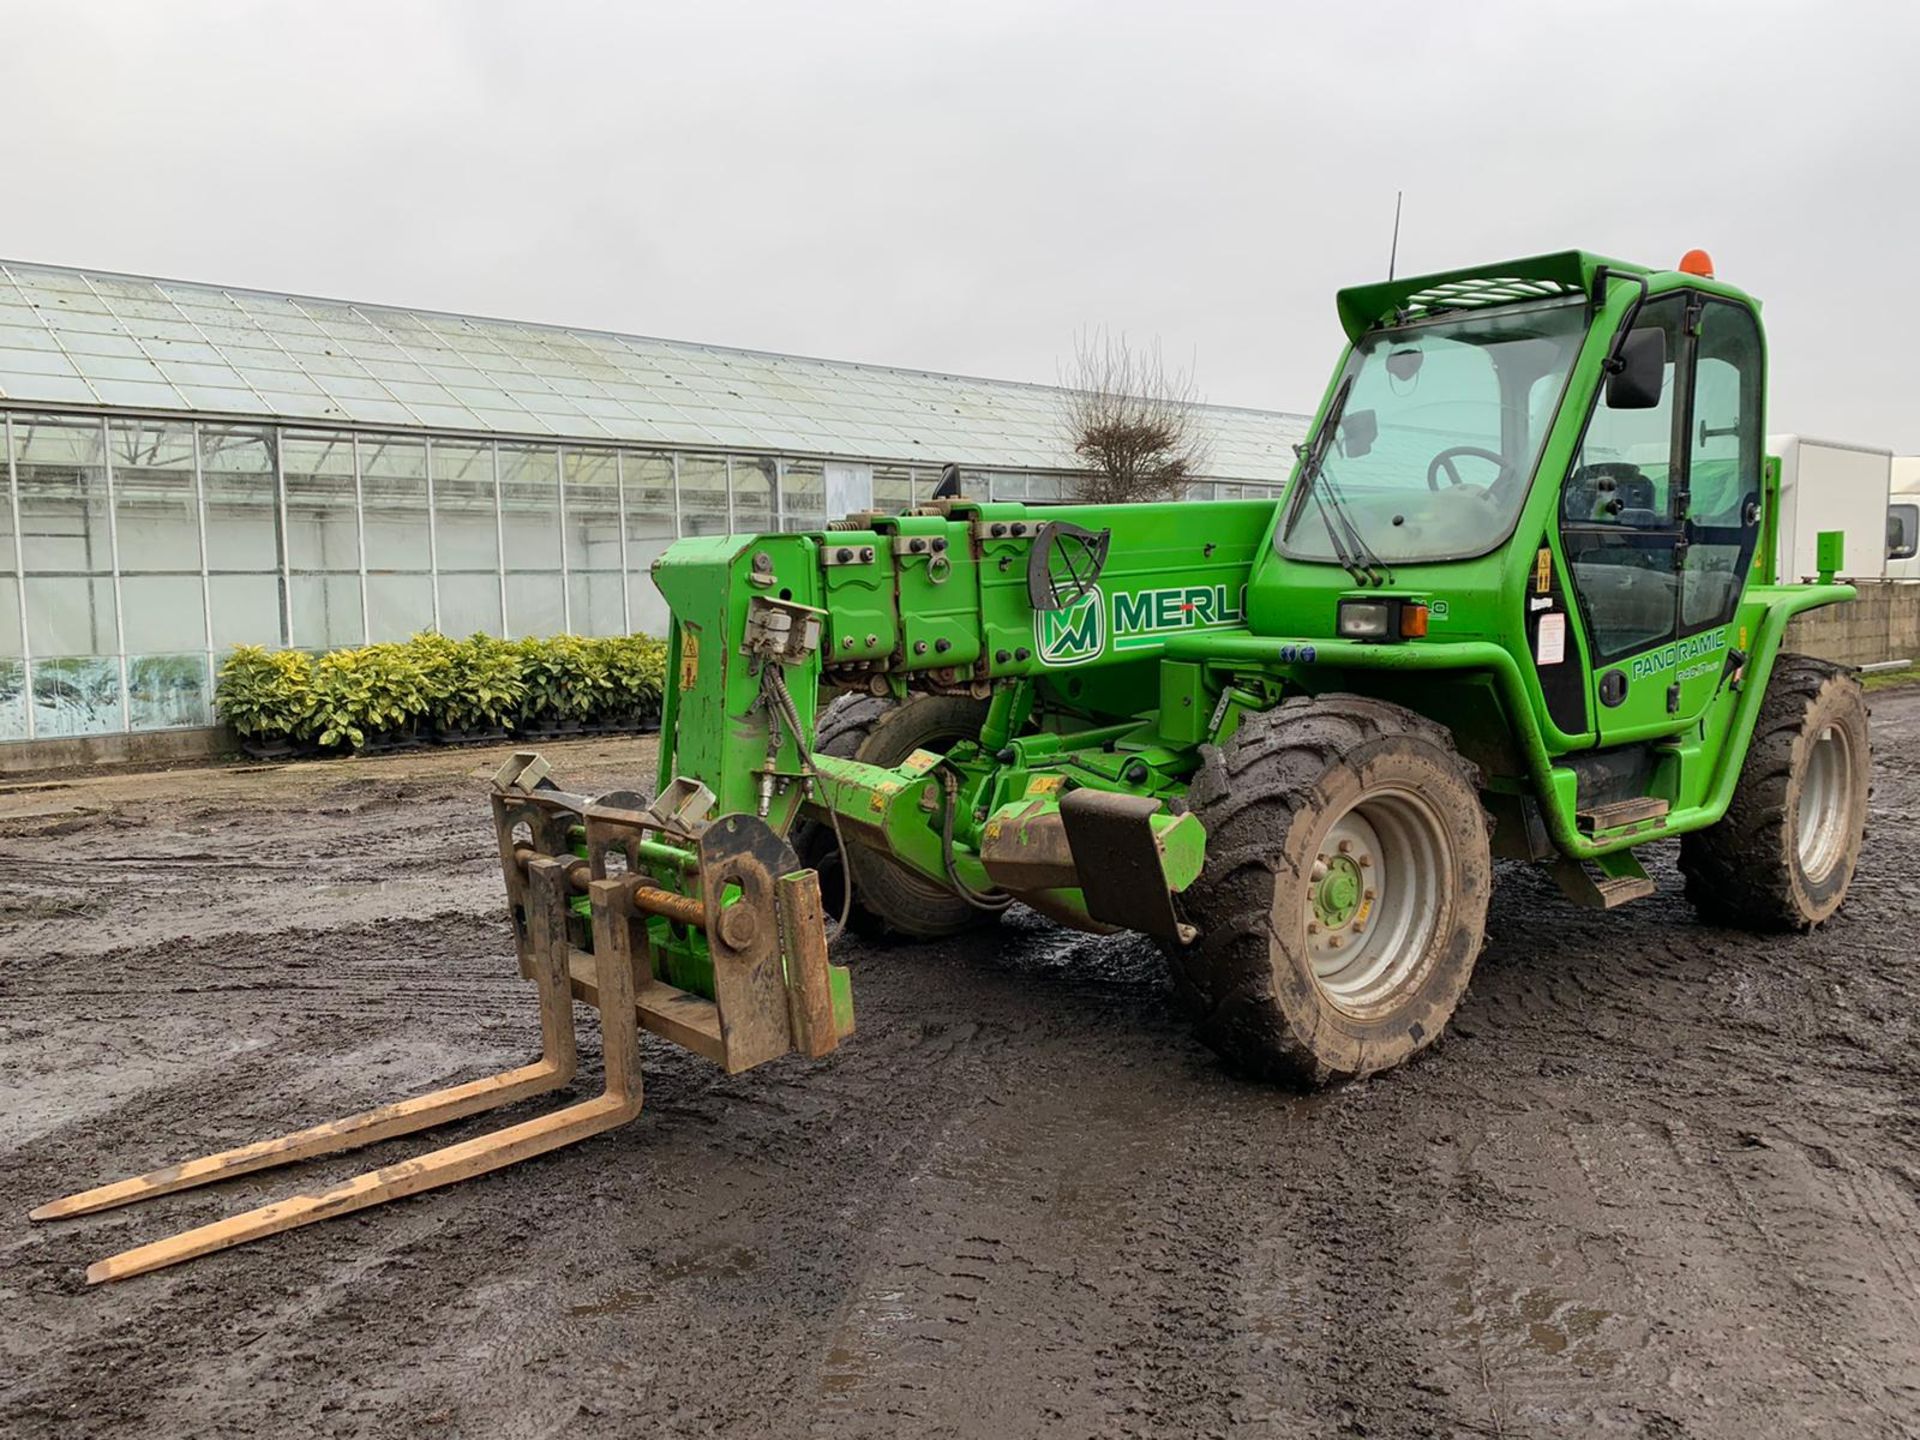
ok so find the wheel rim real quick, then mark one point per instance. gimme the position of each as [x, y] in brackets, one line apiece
[1374, 899]
[1826, 801]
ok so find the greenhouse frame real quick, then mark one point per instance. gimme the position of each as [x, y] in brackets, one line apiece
[192, 467]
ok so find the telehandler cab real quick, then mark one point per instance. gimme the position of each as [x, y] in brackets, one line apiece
[1513, 603]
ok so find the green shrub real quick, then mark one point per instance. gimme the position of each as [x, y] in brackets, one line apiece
[265, 694]
[637, 670]
[567, 680]
[471, 684]
[348, 697]
[357, 694]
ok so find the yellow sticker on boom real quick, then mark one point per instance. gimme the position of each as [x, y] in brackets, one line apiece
[1043, 784]
[919, 762]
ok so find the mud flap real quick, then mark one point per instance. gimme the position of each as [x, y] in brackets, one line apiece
[1120, 862]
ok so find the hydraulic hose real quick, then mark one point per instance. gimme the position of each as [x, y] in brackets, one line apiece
[992, 903]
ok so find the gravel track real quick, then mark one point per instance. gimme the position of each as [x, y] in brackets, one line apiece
[1660, 1179]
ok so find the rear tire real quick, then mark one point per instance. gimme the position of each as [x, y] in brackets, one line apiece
[1344, 896]
[1784, 854]
[889, 900]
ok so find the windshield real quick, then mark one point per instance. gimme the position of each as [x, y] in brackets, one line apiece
[1437, 430]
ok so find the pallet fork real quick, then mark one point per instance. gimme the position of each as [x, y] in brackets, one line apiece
[758, 909]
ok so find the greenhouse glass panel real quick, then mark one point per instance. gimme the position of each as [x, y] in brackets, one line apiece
[246, 610]
[166, 692]
[530, 507]
[393, 493]
[13, 700]
[592, 479]
[892, 488]
[598, 605]
[703, 495]
[242, 497]
[753, 496]
[647, 612]
[71, 615]
[535, 605]
[803, 495]
[75, 697]
[398, 605]
[156, 507]
[326, 611]
[12, 638]
[322, 514]
[466, 530]
[469, 604]
[64, 525]
[647, 481]
[163, 613]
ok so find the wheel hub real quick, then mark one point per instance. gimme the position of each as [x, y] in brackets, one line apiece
[1337, 896]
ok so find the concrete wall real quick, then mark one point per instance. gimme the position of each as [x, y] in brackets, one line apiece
[1883, 624]
[157, 747]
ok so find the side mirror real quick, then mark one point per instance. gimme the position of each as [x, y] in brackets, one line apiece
[1642, 372]
[1358, 430]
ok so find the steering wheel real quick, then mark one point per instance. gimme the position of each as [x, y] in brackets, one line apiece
[1444, 461]
[1593, 491]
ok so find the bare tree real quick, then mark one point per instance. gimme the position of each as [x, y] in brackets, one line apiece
[1134, 422]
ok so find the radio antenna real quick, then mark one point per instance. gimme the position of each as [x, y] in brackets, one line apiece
[1393, 255]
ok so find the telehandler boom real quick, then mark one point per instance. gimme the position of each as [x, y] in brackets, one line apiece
[1508, 606]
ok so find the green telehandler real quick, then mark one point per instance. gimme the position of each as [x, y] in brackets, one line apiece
[1515, 602]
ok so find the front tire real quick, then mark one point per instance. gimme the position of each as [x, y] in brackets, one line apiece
[1783, 855]
[1344, 897]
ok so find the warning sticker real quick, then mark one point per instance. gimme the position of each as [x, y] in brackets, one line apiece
[689, 656]
[1550, 645]
[1543, 570]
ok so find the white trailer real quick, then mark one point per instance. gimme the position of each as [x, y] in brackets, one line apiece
[1831, 485]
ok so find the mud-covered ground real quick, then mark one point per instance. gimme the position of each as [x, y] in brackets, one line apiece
[1659, 1180]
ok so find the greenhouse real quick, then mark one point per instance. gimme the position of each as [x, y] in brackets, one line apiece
[191, 467]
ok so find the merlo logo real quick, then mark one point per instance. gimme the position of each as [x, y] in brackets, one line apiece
[1074, 635]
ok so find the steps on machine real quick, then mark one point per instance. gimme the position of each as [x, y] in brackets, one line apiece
[1634, 813]
[1621, 879]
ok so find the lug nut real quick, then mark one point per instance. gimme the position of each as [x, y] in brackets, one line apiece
[1335, 941]
[1345, 847]
[1319, 871]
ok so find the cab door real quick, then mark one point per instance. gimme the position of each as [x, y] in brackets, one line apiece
[1719, 504]
[1623, 537]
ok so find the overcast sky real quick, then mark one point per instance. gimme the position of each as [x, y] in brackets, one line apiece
[965, 186]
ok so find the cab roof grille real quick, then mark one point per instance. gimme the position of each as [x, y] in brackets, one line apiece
[1481, 291]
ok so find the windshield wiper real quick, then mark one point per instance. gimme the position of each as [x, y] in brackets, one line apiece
[1378, 572]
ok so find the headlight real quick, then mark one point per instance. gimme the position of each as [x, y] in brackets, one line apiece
[1365, 619]
[1395, 618]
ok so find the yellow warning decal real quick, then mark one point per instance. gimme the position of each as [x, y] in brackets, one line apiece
[1543, 571]
[1045, 784]
[919, 762]
[689, 656]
